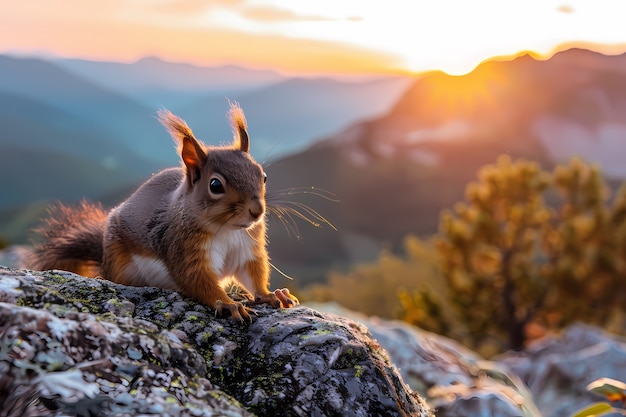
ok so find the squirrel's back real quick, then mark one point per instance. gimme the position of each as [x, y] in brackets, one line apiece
[71, 239]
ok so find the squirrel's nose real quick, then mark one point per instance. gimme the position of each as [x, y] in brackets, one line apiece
[255, 214]
[256, 207]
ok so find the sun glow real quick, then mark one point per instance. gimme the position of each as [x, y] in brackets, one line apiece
[454, 35]
[305, 36]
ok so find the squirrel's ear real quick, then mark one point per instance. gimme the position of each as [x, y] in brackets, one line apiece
[240, 128]
[194, 158]
[191, 151]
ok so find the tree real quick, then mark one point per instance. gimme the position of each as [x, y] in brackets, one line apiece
[511, 260]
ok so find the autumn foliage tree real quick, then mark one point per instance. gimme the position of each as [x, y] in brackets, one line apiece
[510, 259]
[527, 249]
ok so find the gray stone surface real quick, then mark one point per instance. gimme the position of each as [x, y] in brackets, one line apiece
[453, 379]
[77, 346]
[558, 369]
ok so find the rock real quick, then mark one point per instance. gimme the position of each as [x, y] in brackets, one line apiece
[76, 346]
[558, 369]
[452, 378]
[548, 379]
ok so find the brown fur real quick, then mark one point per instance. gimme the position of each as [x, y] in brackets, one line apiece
[72, 239]
[189, 228]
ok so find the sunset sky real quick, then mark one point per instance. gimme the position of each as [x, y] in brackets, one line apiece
[310, 36]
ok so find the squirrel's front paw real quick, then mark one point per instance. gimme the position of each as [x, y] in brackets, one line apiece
[287, 299]
[278, 298]
[237, 310]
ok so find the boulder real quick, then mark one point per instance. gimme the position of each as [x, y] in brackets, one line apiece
[558, 369]
[453, 379]
[78, 346]
[549, 378]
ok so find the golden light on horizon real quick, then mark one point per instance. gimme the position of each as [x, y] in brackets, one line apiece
[300, 36]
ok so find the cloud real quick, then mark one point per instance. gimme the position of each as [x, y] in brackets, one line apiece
[565, 8]
[256, 13]
[269, 14]
[190, 7]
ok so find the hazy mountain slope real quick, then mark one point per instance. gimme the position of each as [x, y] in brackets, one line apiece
[589, 117]
[59, 131]
[150, 75]
[124, 120]
[31, 175]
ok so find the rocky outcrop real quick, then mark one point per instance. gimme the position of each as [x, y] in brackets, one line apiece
[454, 380]
[548, 379]
[76, 346]
[558, 369]
[70, 345]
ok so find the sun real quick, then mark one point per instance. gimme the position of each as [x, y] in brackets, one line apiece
[417, 64]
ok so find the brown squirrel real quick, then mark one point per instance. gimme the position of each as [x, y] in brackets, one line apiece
[191, 229]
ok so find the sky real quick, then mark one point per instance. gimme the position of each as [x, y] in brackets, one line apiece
[311, 36]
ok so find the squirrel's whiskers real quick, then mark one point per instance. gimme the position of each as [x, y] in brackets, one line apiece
[287, 211]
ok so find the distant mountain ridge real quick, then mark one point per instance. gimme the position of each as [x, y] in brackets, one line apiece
[153, 72]
[571, 104]
[156, 83]
[86, 106]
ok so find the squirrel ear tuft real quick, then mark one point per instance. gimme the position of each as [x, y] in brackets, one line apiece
[190, 149]
[240, 128]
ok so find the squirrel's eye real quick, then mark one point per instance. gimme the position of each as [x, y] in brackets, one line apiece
[264, 177]
[216, 186]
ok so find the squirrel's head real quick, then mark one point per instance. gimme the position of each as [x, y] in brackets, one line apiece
[224, 185]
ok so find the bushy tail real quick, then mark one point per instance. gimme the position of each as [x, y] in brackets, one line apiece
[70, 239]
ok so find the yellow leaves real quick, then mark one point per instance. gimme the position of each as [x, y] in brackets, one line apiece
[486, 260]
[513, 180]
[506, 252]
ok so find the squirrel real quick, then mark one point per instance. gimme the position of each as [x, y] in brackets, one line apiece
[191, 229]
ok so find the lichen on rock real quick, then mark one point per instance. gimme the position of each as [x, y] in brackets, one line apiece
[76, 346]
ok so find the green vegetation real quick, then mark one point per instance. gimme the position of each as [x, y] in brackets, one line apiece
[506, 266]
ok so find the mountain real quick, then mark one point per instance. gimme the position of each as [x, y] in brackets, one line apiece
[88, 107]
[151, 72]
[59, 131]
[37, 175]
[157, 83]
[394, 174]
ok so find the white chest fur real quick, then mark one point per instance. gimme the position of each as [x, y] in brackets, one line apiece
[229, 251]
[150, 272]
